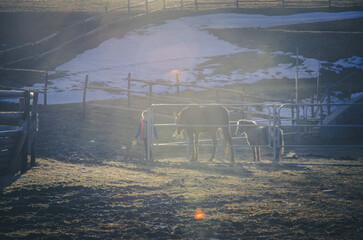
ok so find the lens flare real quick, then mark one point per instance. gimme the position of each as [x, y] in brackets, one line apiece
[199, 214]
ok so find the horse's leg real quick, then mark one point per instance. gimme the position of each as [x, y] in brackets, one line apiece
[254, 149]
[258, 153]
[281, 150]
[214, 147]
[228, 137]
[251, 148]
[191, 141]
[197, 135]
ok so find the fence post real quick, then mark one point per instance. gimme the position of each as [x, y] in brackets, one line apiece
[146, 6]
[25, 148]
[329, 3]
[84, 97]
[128, 88]
[312, 106]
[217, 96]
[177, 83]
[164, 5]
[35, 116]
[181, 5]
[297, 77]
[283, 3]
[274, 135]
[45, 88]
[149, 134]
[196, 5]
[150, 93]
[298, 122]
[237, 4]
[292, 112]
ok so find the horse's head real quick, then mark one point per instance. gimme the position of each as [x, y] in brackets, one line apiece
[239, 129]
[243, 125]
[179, 129]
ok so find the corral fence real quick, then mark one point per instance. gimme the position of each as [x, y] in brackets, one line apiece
[18, 129]
[294, 129]
[151, 96]
[53, 46]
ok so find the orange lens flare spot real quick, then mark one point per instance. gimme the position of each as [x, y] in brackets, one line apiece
[199, 214]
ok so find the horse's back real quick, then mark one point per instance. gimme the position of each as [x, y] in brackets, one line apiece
[216, 115]
[206, 115]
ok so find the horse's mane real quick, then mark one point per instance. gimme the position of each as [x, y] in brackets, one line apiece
[246, 122]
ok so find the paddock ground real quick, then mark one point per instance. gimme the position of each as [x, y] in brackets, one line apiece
[308, 198]
[88, 185]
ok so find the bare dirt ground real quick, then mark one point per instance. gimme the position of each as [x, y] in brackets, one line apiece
[86, 186]
[140, 200]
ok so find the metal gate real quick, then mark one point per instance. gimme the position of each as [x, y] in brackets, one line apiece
[298, 123]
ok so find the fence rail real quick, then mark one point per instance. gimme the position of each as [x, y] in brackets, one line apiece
[274, 142]
[150, 95]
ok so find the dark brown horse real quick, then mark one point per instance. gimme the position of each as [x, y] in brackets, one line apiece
[199, 117]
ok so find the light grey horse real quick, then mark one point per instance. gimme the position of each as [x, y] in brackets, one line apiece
[257, 136]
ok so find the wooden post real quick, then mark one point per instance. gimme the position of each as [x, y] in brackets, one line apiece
[177, 83]
[297, 77]
[217, 96]
[45, 88]
[196, 5]
[292, 112]
[329, 3]
[150, 93]
[84, 97]
[25, 148]
[129, 88]
[35, 116]
[164, 5]
[283, 3]
[318, 79]
[146, 6]
[298, 123]
[181, 5]
[312, 106]
[237, 4]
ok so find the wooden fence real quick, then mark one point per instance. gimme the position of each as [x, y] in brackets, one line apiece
[18, 128]
[44, 74]
[150, 96]
[28, 54]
